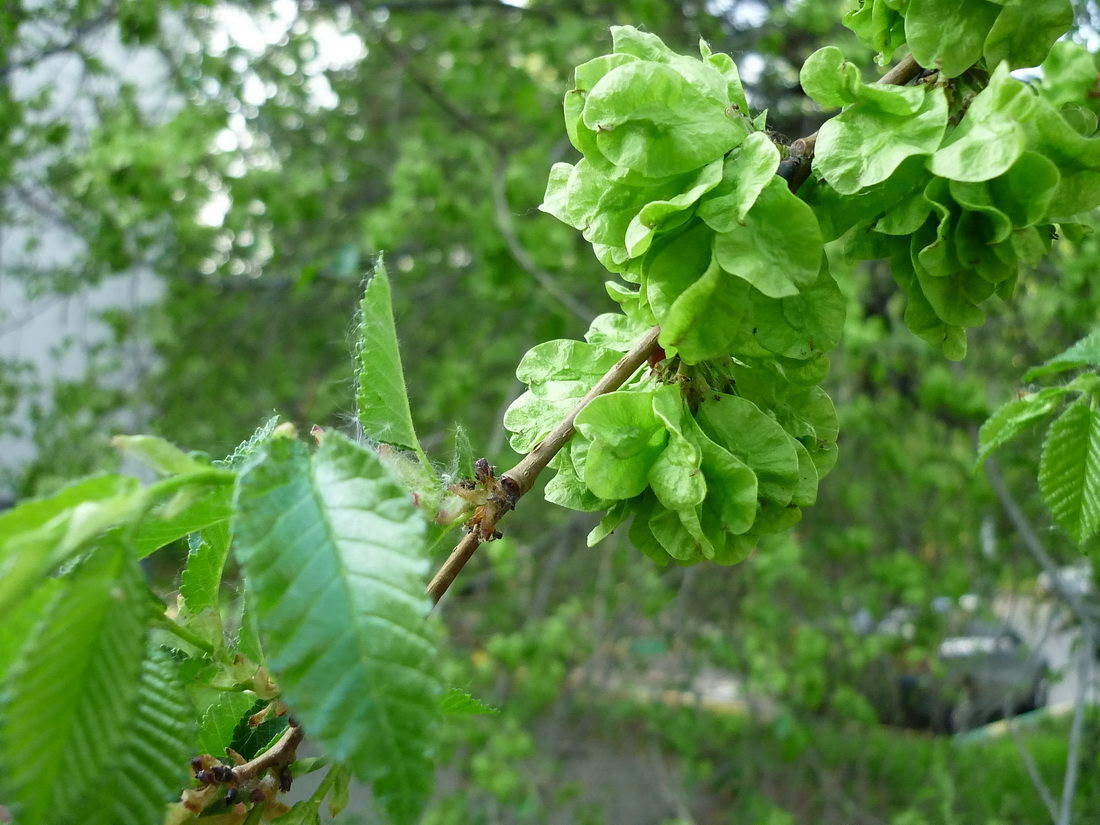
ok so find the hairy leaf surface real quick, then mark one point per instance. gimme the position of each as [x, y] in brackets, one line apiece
[1069, 473]
[381, 397]
[333, 554]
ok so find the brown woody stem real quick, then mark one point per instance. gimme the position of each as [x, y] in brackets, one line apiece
[522, 476]
[197, 800]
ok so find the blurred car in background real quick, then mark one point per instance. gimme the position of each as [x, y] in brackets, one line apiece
[978, 671]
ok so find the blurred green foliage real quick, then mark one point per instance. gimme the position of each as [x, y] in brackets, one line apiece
[328, 132]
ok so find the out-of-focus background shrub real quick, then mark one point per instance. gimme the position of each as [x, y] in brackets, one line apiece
[190, 196]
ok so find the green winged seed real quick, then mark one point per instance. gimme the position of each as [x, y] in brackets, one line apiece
[864, 145]
[949, 35]
[778, 248]
[751, 435]
[649, 119]
[992, 135]
[745, 173]
[1024, 32]
[698, 306]
[832, 81]
[675, 476]
[627, 438]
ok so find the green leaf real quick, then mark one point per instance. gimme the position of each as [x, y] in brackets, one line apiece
[1024, 32]
[65, 710]
[149, 767]
[463, 460]
[864, 145]
[381, 397]
[158, 454]
[48, 532]
[306, 812]
[18, 627]
[341, 789]
[992, 136]
[203, 506]
[333, 555]
[949, 34]
[220, 720]
[648, 118]
[778, 248]
[34, 513]
[202, 572]
[457, 700]
[1069, 472]
[1085, 353]
[1016, 416]
[247, 447]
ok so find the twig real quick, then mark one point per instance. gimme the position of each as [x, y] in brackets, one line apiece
[507, 229]
[1084, 672]
[902, 73]
[1033, 771]
[520, 479]
[195, 801]
[460, 118]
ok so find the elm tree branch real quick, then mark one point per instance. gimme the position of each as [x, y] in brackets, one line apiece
[279, 755]
[519, 480]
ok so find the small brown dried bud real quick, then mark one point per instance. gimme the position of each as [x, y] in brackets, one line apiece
[230, 796]
[223, 773]
[236, 757]
[256, 796]
[205, 777]
[286, 778]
